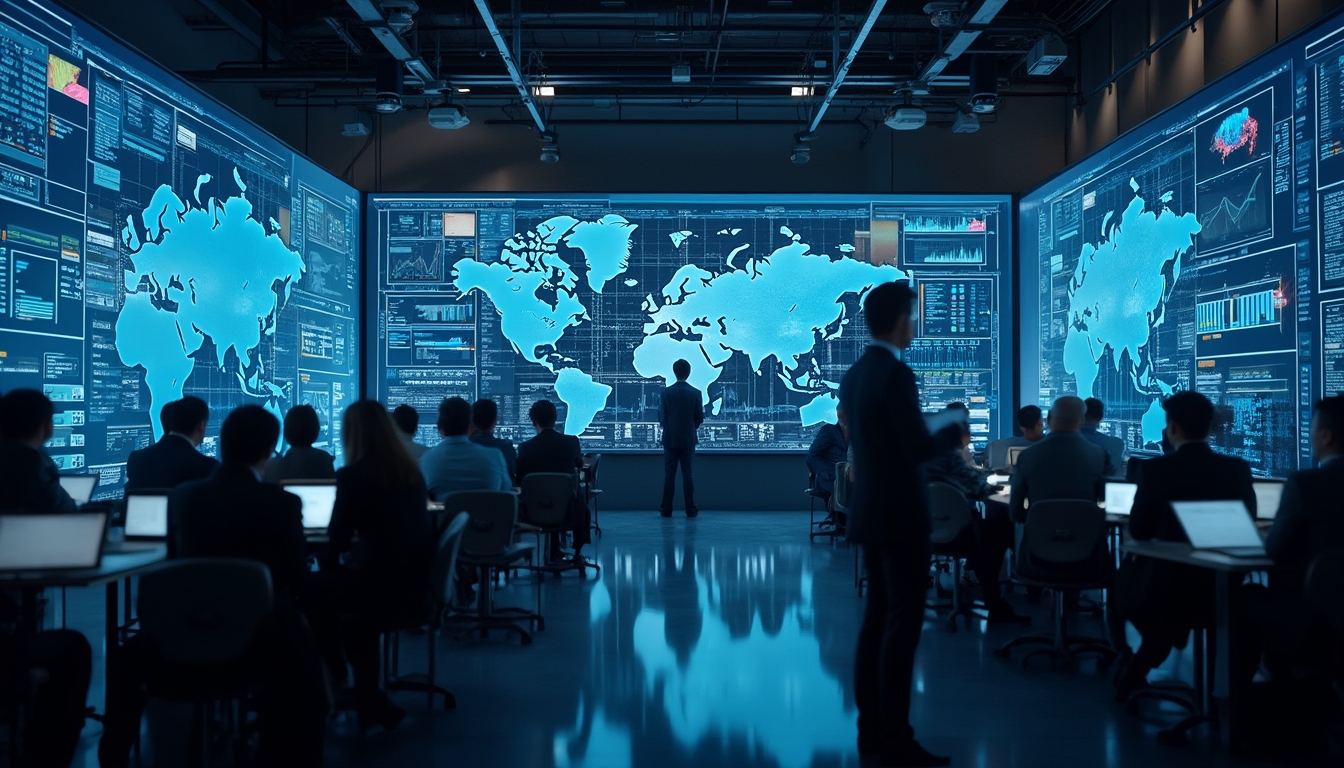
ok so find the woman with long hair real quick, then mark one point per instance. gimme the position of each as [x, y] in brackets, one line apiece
[384, 581]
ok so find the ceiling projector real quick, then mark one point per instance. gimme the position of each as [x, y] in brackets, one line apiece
[906, 118]
[448, 118]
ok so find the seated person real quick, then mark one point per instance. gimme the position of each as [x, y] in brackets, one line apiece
[1062, 465]
[232, 514]
[458, 464]
[993, 533]
[174, 460]
[829, 448]
[49, 672]
[967, 452]
[553, 451]
[1032, 426]
[31, 482]
[1165, 600]
[407, 420]
[380, 495]
[1114, 446]
[302, 461]
[484, 419]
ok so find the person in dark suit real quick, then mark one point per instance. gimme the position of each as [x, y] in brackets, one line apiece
[32, 482]
[232, 514]
[484, 419]
[1062, 465]
[381, 496]
[1164, 600]
[1114, 446]
[407, 420]
[889, 519]
[681, 411]
[173, 460]
[302, 461]
[829, 447]
[48, 672]
[552, 451]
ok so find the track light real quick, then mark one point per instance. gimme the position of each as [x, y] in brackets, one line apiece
[551, 152]
[801, 151]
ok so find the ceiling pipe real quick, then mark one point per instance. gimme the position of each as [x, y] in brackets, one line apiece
[233, 13]
[372, 16]
[519, 81]
[843, 69]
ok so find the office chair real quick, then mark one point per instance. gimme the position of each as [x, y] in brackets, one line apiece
[547, 498]
[843, 496]
[488, 546]
[591, 492]
[953, 539]
[1062, 548]
[827, 526]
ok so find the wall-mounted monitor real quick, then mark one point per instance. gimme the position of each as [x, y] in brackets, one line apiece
[1202, 250]
[155, 244]
[589, 300]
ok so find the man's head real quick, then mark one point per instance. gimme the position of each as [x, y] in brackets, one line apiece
[302, 426]
[543, 415]
[1327, 427]
[1095, 410]
[1066, 415]
[840, 415]
[190, 416]
[682, 370]
[407, 419]
[454, 417]
[484, 415]
[964, 423]
[888, 309]
[248, 436]
[1189, 418]
[26, 416]
[166, 416]
[1030, 422]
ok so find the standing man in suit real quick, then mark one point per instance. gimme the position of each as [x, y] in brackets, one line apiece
[554, 451]
[1165, 600]
[1063, 465]
[174, 460]
[1114, 446]
[681, 411]
[889, 518]
[31, 480]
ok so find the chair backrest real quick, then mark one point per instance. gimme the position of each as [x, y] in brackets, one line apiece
[443, 574]
[546, 496]
[1062, 533]
[590, 471]
[844, 489]
[491, 516]
[204, 610]
[1324, 586]
[949, 511]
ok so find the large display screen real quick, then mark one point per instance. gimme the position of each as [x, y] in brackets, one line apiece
[1204, 250]
[589, 300]
[154, 244]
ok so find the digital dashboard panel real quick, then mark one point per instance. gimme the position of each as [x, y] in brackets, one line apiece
[588, 301]
[154, 244]
[1203, 250]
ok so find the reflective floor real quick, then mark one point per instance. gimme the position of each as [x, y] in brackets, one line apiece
[727, 641]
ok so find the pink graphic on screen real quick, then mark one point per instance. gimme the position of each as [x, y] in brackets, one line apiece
[1237, 130]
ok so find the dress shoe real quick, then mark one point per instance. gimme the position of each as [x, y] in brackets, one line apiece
[912, 755]
[692, 513]
[666, 513]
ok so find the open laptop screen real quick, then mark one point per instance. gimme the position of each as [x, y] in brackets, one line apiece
[1120, 498]
[80, 487]
[146, 515]
[47, 542]
[1217, 524]
[1267, 496]
[318, 501]
[1013, 453]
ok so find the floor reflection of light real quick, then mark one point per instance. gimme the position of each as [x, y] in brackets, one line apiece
[603, 745]
[599, 602]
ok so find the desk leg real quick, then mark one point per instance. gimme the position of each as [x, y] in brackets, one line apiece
[112, 642]
[1226, 688]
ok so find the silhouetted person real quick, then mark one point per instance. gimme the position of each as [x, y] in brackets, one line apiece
[302, 461]
[889, 518]
[1091, 429]
[1062, 465]
[407, 420]
[829, 447]
[458, 464]
[49, 674]
[681, 411]
[484, 419]
[31, 481]
[174, 459]
[553, 451]
[1032, 426]
[381, 497]
[1165, 600]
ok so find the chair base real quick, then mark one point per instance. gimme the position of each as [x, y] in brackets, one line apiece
[484, 624]
[1175, 736]
[1173, 692]
[581, 565]
[411, 683]
[1066, 649]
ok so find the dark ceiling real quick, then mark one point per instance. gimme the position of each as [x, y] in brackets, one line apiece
[622, 53]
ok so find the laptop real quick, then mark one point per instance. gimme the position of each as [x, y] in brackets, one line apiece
[1120, 498]
[80, 487]
[1220, 526]
[52, 542]
[1013, 453]
[1267, 496]
[146, 516]
[319, 498]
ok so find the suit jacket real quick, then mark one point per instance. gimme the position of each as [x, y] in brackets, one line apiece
[458, 464]
[1114, 446]
[167, 464]
[31, 480]
[300, 464]
[681, 411]
[549, 451]
[891, 443]
[1062, 465]
[233, 514]
[1193, 473]
[396, 533]
[505, 447]
[1310, 521]
[829, 448]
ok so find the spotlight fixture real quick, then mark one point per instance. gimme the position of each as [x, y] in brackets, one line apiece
[965, 122]
[449, 117]
[388, 87]
[551, 152]
[801, 151]
[360, 128]
[984, 84]
[681, 73]
[944, 14]
[906, 118]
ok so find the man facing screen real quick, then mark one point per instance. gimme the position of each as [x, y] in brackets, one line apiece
[680, 413]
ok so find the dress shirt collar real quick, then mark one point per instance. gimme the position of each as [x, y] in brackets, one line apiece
[182, 437]
[892, 348]
[459, 439]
